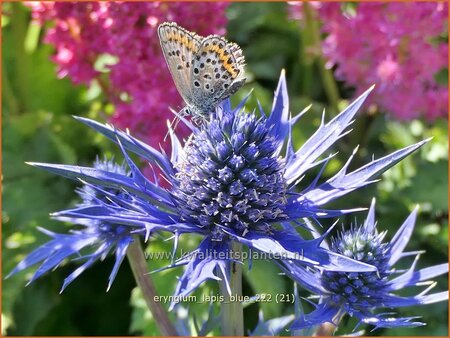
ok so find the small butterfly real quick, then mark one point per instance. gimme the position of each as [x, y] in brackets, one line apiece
[206, 70]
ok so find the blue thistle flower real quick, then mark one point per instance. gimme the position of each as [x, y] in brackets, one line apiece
[229, 183]
[101, 235]
[366, 294]
[230, 178]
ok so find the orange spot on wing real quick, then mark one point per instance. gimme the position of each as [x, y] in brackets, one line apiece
[191, 45]
[223, 59]
[183, 40]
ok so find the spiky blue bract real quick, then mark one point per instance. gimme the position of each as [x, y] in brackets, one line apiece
[234, 180]
[97, 236]
[367, 295]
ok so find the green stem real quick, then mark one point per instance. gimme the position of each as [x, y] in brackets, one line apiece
[19, 26]
[330, 85]
[328, 329]
[138, 265]
[8, 94]
[325, 330]
[307, 59]
[231, 312]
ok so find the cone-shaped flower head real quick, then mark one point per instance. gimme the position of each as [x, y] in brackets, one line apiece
[359, 290]
[231, 178]
[366, 294]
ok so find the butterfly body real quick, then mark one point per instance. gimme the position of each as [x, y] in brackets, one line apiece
[206, 70]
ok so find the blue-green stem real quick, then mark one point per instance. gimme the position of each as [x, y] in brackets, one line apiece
[231, 310]
[139, 267]
[330, 85]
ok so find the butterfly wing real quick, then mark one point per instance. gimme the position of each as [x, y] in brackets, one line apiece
[179, 47]
[217, 72]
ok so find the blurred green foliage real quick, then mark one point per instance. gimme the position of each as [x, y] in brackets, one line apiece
[37, 126]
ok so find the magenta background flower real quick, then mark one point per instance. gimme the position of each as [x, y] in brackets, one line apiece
[397, 46]
[140, 85]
